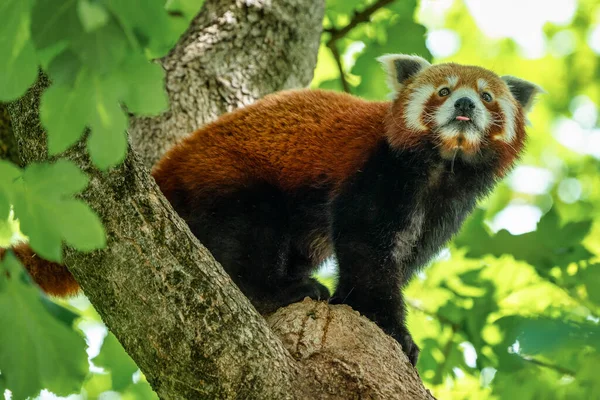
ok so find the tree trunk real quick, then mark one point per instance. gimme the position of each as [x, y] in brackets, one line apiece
[174, 309]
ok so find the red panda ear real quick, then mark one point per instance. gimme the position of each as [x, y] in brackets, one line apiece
[523, 91]
[400, 67]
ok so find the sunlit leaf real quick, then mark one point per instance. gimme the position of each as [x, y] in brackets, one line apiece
[54, 21]
[38, 351]
[48, 213]
[114, 358]
[19, 65]
[92, 15]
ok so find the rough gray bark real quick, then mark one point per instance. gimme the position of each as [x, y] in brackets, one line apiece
[176, 312]
[233, 53]
[344, 355]
[8, 145]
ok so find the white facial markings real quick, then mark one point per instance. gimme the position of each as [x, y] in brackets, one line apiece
[481, 84]
[447, 111]
[471, 135]
[415, 107]
[509, 110]
[452, 81]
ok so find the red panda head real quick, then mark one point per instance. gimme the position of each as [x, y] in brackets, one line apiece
[464, 111]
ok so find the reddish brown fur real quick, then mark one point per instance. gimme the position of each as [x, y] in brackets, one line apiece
[309, 137]
[54, 279]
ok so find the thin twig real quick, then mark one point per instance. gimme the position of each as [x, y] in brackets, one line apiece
[358, 18]
[440, 318]
[439, 373]
[338, 59]
[336, 34]
[557, 368]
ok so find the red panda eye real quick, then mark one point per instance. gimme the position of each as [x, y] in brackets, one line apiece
[444, 92]
[486, 96]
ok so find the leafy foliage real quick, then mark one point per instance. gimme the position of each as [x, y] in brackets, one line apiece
[42, 197]
[40, 350]
[95, 54]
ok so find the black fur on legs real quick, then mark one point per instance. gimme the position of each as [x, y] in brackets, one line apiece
[392, 218]
[388, 220]
[256, 235]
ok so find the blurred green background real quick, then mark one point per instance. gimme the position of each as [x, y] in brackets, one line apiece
[511, 308]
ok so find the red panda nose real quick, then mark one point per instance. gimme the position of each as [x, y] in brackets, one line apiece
[464, 105]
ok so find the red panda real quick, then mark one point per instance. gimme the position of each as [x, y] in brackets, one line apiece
[275, 188]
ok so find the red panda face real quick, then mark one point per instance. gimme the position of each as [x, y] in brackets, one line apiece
[464, 107]
[464, 111]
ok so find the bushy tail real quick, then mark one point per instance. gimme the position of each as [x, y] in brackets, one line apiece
[54, 279]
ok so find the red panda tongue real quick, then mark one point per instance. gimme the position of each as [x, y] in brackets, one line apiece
[461, 118]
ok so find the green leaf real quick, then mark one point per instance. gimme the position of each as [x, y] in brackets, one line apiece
[146, 93]
[48, 54]
[102, 49]
[113, 357]
[19, 66]
[552, 244]
[38, 223]
[400, 25]
[59, 312]
[147, 21]
[591, 279]
[343, 7]
[96, 384]
[54, 21]
[8, 174]
[139, 391]
[80, 226]
[48, 214]
[55, 181]
[92, 15]
[64, 112]
[189, 8]
[544, 335]
[38, 351]
[107, 148]
[65, 68]
[107, 143]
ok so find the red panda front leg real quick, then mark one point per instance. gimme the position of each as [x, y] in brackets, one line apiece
[370, 281]
[371, 214]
